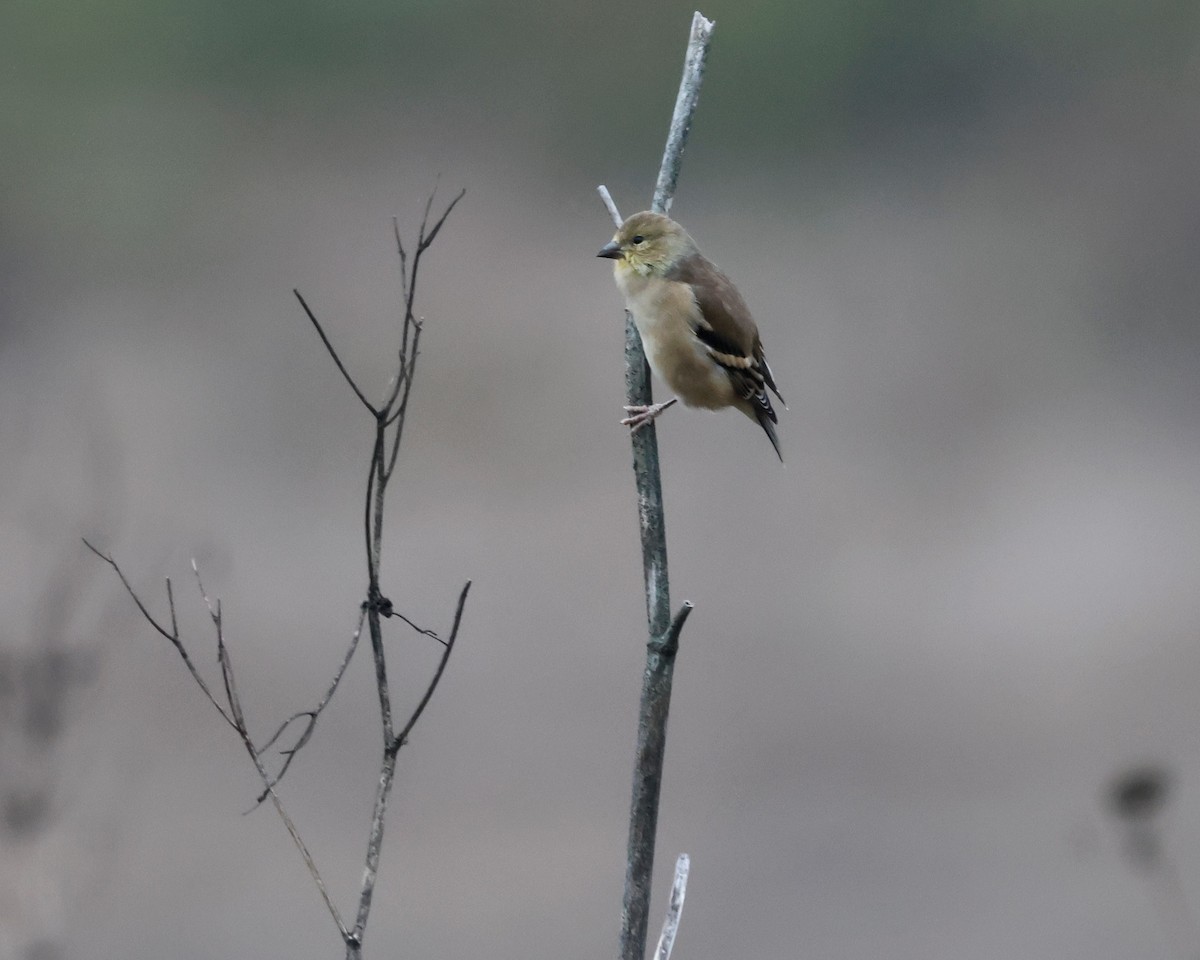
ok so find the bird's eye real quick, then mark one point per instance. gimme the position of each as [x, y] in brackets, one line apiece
[638, 239]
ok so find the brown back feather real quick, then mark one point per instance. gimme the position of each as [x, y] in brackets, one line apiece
[727, 328]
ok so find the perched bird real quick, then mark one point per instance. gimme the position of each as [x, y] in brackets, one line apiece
[696, 329]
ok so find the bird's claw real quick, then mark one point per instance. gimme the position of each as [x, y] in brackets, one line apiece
[642, 415]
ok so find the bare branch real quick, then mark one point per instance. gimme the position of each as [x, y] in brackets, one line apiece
[374, 557]
[370, 501]
[172, 635]
[668, 643]
[383, 461]
[666, 940]
[403, 378]
[402, 736]
[294, 833]
[425, 215]
[401, 413]
[390, 416]
[171, 604]
[685, 108]
[609, 205]
[409, 366]
[333, 353]
[214, 611]
[386, 776]
[432, 634]
[231, 715]
[290, 753]
[663, 630]
[403, 260]
[412, 326]
[423, 243]
[427, 239]
[235, 708]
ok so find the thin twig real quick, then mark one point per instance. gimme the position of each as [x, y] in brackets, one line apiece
[383, 462]
[289, 753]
[324, 701]
[393, 413]
[609, 205]
[666, 940]
[370, 500]
[294, 833]
[376, 496]
[403, 262]
[398, 417]
[408, 361]
[668, 644]
[409, 286]
[385, 450]
[432, 634]
[425, 215]
[223, 660]
[171, 604]
[231, 714]
[235, 708]
[403, 378]
[402, 736]
[423, 242]
[428, 238]
[333, 353]
[386, 776]
[172, 635]
[406, 311]
[312, 714]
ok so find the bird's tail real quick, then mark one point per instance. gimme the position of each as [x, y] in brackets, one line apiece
[766, 419]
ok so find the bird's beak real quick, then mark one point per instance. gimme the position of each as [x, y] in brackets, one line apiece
[611, 251]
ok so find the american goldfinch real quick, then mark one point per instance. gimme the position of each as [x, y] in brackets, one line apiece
[696, 329]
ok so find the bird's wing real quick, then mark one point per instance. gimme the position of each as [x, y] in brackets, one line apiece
[726, 328]
[767, 375]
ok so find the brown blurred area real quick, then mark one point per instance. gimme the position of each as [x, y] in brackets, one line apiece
[970, 236]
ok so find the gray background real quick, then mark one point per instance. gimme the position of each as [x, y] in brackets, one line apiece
[969, 233]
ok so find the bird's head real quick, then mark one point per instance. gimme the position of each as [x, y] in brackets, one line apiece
[648, 244]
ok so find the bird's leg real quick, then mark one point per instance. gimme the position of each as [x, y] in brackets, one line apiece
[640, 416]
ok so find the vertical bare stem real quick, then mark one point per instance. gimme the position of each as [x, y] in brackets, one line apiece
[390, 416]
[664, 632]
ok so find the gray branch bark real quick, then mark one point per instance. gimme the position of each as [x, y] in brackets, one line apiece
[663, 629]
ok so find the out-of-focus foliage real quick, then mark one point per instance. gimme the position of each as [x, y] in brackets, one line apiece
[805, 72]
[119, 112]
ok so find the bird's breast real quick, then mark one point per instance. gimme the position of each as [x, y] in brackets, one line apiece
[666, 314]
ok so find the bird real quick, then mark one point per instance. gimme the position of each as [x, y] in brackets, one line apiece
[697, 331]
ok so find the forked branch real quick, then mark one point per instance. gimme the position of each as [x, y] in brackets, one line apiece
[663, 629]
[389, 420]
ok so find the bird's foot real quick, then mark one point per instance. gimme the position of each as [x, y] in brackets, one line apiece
[640, 416]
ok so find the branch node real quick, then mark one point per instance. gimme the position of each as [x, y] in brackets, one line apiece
[667, 645]
[381, 605]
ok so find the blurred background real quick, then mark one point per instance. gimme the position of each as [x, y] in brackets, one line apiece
[927, 656]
